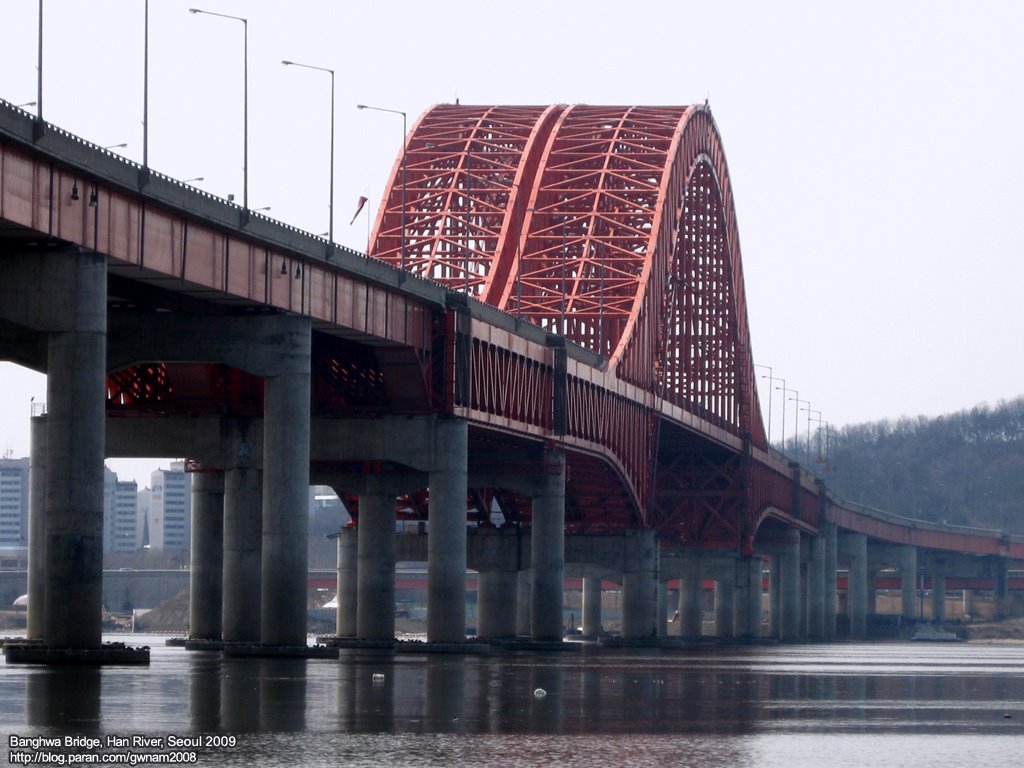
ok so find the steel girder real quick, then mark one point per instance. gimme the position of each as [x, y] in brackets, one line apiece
[614, 228]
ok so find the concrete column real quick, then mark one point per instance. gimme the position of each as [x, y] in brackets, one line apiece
[524, 588]
[775, 598]
[908, 581]
[856, 549]
[747, 624]
[816, 589]
[446, 540]
[547, 552]
[725, 607]
[662, 609]
[1000, 565]
[640, 586]
[828, 530]
[36, 530]
[206, 575]
[76, 416]
[691, 617]
[591, 606]
[496, 604]
[789, 586]
[348, 570]
[243, 538]
[872, 596]
[375, 603]
[286, 497]
[938, 597]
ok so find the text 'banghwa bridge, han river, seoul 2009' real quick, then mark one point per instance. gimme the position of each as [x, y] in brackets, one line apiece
[545, 357]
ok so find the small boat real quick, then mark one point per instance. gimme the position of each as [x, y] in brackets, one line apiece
[929, 633]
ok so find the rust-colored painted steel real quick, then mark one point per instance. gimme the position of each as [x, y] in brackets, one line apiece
[612, 227]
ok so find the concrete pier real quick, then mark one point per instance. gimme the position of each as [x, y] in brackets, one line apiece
[725, 607]
[789, 587]
[747, 625]
[206, 582]
[76, 419]
[591, 606]
[816, 588]
[830, 533]
[524, 612]
[36, 530]
[938, 596]
[286, 498]
[854, 546]
[446, 538]
[243, 538]
[640, 586]
[690, 610]
[548, 551]
[908, 581]
[375, 601]
[496, 604]
[348, 570]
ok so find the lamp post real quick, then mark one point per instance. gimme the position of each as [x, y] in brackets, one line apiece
[784, 390]
[39, 81]
[404, 142]
[770, 382]
[245, 101]
[330, 205]
[145, 89]
[818, 419]
[796, 422]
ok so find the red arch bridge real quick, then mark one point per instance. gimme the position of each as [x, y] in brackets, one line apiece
[545, 359]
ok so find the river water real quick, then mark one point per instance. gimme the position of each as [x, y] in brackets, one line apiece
[767, 706]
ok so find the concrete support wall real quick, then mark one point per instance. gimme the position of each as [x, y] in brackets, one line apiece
[76, 418]
[206, 582]
[375, 601]
[37, 530]
[640, 586]
[446, 541]
[855, 549]
[243, 538]
[547, 552]
[908, 581]
[789, 587]
[286, 421]
[496, 604]
[348, 570]
[591, 606]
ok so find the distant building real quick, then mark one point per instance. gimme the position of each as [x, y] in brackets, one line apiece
[170, 509]
[14, 502]
[120, 514]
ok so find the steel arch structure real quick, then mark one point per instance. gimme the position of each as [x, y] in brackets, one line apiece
[613, 227]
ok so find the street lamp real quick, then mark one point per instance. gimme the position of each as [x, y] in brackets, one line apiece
[245, 101]
[771, 381]
[189, 181]
[330, 206]
[796, 422]
[819, 420]
[784, 391]
[396, 112]
[26, 104]
[117, 146]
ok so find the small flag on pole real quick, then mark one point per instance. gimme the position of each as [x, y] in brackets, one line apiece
[359, 208]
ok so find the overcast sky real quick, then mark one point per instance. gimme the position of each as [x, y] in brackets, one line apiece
[875, 149]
